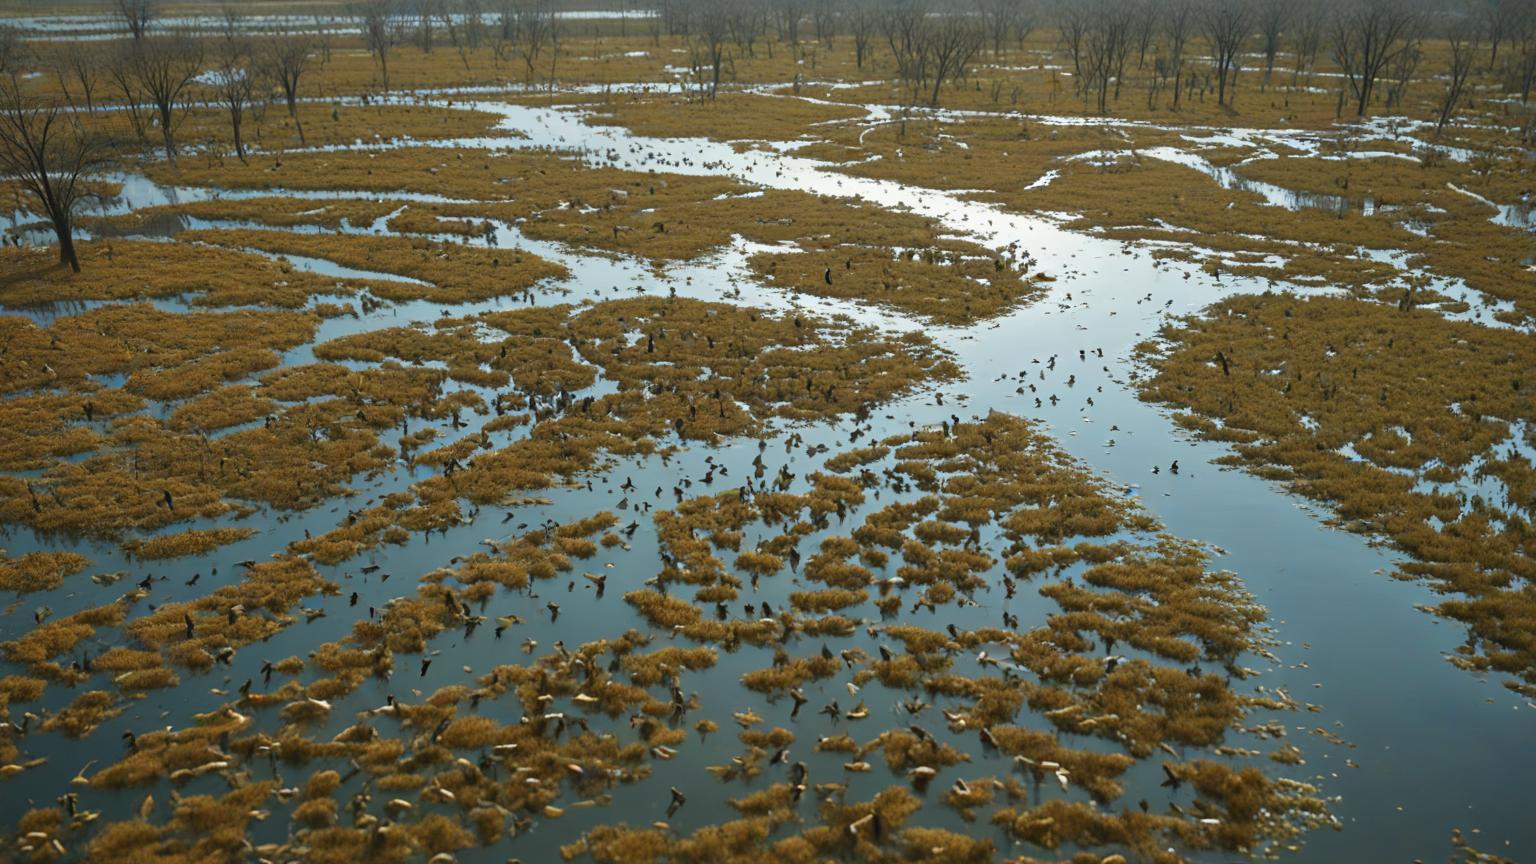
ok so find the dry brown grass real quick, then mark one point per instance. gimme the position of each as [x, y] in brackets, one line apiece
[456, 273]
[1418, 398]
[141, 270]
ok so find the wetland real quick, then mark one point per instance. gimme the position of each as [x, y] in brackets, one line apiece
[1093, 431]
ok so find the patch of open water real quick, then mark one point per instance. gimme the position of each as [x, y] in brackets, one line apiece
[1436, 747]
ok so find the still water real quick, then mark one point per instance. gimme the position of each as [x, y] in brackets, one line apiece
[1427, 748]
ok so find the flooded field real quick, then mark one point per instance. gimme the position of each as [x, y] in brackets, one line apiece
[566, 450]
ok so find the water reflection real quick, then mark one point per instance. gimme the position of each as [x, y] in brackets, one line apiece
[1350, 639]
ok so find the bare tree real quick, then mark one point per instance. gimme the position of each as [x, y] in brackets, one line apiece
[1227, 24]
[708, 29]
[377, 23]
[1308, 23]
[231, 21]
[1366, 35]
[1106, 45]
[535, 29]
[862, 17]
[1462, 39]
[122, 74]
[1143, 20]
[76, 68]
[789, 13]
[902, 23]
[1525, 69]
[953, 41]
[474, 23]
[48, 151]
[426, 11]
[1074, 20]
[464, 23]
[1400, 72]
[1501, 21]
[504, 33]
[999, 18]
[554, 31]
[1024, 22]
[825, 15]
[164, 67]
[1178, 26]
[672, 15]
[1274, 16]
[137, 16]
[11, 50]
[234, 83]
[1126, 17]
[286, 57]
[746, 23]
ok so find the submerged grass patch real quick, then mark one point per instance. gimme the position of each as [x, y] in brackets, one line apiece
[653, 215]
[276, 211]
[1048, 679]
[1381, 413]
[455, 273]
[953, 283]
[39, 571]
[1138, 592]
[141, 270]
[1131, 639]
[682, 367]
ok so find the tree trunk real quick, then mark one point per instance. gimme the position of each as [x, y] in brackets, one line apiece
[67, 255]
[293, 112]
[165, 133]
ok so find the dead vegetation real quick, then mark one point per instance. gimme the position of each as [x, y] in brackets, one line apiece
[1384, 414]
[166, 432]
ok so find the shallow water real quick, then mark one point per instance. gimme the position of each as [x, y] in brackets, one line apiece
[1432, 747]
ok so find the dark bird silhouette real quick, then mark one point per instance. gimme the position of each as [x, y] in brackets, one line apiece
[1170, 779]
[800, 700]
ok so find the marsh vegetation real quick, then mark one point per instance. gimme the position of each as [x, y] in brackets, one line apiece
[767, 430]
